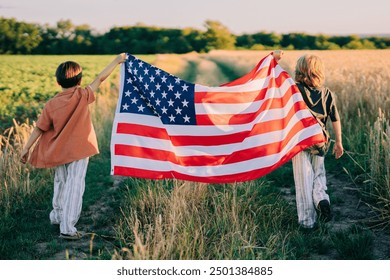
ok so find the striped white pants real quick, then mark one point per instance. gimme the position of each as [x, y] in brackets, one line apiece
[310, 186]
[69, 185]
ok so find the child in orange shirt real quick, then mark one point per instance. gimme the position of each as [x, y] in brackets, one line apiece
[66, 141]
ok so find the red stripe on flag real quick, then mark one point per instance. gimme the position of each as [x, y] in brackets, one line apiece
[142, 130]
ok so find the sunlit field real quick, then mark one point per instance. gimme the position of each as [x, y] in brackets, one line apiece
[181, 220]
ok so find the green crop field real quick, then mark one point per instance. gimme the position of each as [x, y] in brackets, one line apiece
[130, 218]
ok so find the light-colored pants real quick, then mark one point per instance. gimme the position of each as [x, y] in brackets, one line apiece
[69, 185]
[310, 186]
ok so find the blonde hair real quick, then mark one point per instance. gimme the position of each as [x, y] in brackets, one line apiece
[310, 70]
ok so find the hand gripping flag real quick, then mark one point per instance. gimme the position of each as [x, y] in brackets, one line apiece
[165, 127]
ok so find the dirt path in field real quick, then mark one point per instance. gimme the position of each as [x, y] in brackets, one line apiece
[206, 72]
[97, 225]
[348, 210]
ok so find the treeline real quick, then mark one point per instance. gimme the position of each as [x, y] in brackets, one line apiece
[17, 37]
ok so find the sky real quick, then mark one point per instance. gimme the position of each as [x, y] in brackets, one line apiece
[333, 17]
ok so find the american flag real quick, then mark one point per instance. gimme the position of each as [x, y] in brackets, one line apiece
[165, 127]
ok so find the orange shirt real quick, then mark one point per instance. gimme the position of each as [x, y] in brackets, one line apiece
[68, 133]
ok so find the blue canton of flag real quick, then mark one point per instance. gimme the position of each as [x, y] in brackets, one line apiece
[149, 90]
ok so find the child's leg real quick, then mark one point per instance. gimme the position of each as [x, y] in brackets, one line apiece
[59, 183]
[319, 187]
[73, 195]
[303, 178]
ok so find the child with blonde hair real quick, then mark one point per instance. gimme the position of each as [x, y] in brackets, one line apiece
[308, 165]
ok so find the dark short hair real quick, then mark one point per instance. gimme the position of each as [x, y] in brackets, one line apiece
[69, 74]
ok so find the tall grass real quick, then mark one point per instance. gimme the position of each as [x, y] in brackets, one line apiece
[379, 166]
[183, 220]
[15, 181]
